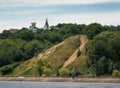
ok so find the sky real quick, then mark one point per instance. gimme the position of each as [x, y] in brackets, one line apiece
[20, 13]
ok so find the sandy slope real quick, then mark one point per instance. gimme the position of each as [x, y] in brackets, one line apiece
[47, 52]
[72, 58]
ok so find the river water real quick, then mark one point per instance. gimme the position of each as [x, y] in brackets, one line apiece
[56, 85]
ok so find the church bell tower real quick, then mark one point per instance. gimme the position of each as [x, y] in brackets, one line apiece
[46, 26]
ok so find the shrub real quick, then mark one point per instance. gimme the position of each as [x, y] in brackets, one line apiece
[44, 66]
[78, 53]
[6, 69]
[116, 73]
[47, 71]
[16, 64]
[64, 72]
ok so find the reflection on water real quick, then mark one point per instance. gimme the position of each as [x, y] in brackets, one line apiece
[56, 85]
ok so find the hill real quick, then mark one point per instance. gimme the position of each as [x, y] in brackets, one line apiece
[58, 55]
[63, 50]
[83, 40]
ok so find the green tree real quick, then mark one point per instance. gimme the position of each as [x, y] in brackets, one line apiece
[26, 34]
[40, 64]
[103, 52]
[54, 37]
[44, 67]
[93, 29]
[75, 70]
[7, 34]
[103, 66]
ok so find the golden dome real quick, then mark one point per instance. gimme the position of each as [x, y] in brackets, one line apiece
[33, 22]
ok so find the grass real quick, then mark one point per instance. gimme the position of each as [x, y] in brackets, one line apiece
[80, 64]
[25, 67]
[64, 51]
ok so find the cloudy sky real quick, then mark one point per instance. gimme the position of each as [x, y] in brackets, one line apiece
[20, 13]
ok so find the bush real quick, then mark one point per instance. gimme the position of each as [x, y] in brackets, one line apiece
[75, 71]
[44, 67]
[78, 53]
[116, 73]
[6, 69]
[64, 72]
[14, 65]
[47, 71]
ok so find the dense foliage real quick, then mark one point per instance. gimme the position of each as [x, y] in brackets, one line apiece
[104, 53]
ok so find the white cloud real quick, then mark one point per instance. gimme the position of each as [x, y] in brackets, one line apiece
[43, 2]
[75, 1]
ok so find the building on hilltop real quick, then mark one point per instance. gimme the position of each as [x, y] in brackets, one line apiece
[46, 26]
[33, 26]
[13, 30]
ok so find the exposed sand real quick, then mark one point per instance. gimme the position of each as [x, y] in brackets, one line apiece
[62, 79]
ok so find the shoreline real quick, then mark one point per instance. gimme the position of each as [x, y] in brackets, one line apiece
[62, 79]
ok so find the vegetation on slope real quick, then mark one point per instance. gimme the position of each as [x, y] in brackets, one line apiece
[83, 40]
[22, 46]
[56, 58]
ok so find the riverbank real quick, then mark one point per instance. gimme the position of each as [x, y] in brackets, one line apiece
[61, 79]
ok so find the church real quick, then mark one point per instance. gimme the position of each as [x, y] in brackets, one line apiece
[33, 25]
[46, 26]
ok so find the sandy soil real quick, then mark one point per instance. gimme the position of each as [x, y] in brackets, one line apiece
[62, 79]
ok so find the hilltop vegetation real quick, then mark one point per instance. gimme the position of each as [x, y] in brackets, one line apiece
[100, 57]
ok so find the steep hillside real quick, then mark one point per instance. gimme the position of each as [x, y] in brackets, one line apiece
[83, 40]
[57, 54]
